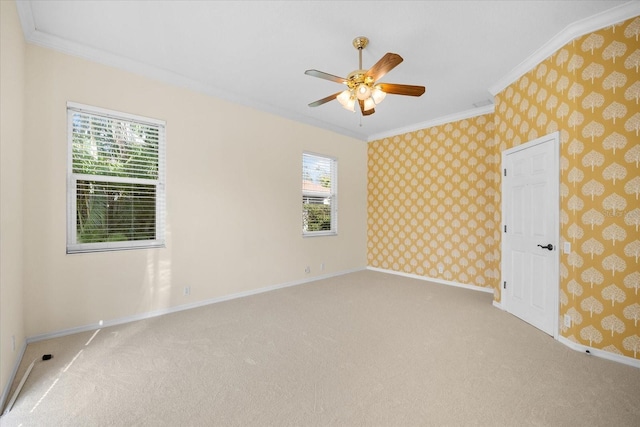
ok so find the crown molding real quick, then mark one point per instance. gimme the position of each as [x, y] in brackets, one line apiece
[596, 22]
[488, 109]
[33, 36]
[25, 15]
[577, 29]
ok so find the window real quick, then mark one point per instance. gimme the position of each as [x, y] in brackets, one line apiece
[115, 180]
[319, 195]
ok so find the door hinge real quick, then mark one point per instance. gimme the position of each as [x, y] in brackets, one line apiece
[505, 228]
[505, 172]
[504, 285]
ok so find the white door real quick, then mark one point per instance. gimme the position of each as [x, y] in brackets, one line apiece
[531, 207]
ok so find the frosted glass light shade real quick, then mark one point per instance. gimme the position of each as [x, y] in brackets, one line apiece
[343, 98]
[377, 95]
[350, 104]
[363, 91]
[368, 104]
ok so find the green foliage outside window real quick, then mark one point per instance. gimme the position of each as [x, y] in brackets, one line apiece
[112, 210]
[317, 217]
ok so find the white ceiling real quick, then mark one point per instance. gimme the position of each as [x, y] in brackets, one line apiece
[255, 52]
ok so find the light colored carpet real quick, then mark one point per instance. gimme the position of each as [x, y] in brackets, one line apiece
[366, 348]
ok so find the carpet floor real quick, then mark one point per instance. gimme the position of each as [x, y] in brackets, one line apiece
[362, 349]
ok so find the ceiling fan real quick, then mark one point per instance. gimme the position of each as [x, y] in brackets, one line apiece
[362, 86]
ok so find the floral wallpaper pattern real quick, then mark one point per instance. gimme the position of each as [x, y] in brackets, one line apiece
[431, 203]
[590, 90]
[434, 194]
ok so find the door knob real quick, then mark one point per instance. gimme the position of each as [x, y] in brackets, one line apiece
[549, 246]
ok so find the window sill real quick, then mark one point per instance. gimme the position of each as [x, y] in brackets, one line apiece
[320, 234]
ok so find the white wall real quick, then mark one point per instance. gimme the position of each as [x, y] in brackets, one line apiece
[233, 200]
[12, 63]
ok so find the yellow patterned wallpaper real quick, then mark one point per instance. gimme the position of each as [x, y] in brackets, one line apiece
[434, 194]
[432, 207]
[589, 90]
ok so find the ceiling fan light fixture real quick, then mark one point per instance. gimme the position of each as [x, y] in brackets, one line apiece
[362, 87]
[351, 105]
[363, 91]
[344, 97]
[369, 104]
[347, 100]
[377, 95]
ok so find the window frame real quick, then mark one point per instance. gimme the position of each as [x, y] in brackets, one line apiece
[72, 245]
[333, 195]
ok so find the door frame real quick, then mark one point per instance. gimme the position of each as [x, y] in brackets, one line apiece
[553, 138]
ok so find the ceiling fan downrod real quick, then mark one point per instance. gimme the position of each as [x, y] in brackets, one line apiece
[360, 43]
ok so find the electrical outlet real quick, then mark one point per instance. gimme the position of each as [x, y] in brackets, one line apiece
[187, 291]
[322, 266]
[567, 321]
[440, 269]
[307, 269]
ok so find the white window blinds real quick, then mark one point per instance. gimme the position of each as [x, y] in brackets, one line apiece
[115, 180]
[319, 195]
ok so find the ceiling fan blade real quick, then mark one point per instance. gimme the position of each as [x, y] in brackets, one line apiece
[324, 100]
[387, 63]
[401, 89]
[367, 112]
[326, 76]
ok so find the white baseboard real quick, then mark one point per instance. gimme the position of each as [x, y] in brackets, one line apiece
[168, 310]
[432, 279]
[590, 350]
[12, 377]
[600, 353]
